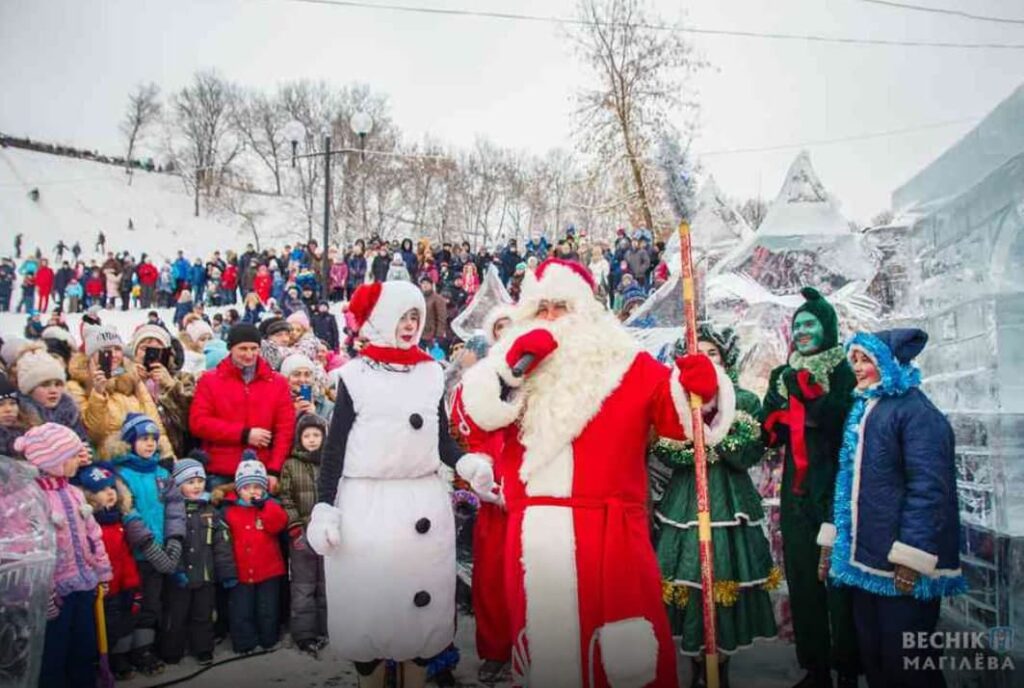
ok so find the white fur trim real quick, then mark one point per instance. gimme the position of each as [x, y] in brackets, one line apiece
[725, 401]
[481, 396]
[552, 605]
[553, 478]
[396, 298]
[826, 535]
[629, 652]
[912, 557]
[559, 283]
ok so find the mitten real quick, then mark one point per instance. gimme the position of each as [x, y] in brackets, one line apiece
[698, 376]
[229, 583]
[324, 530]
[297, 538]
[181, 579]
[53, 607]
[537, 343]
[476, 469]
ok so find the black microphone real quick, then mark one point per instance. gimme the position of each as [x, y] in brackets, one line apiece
[519, 369]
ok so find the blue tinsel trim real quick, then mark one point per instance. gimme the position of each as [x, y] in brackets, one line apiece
[896, 380]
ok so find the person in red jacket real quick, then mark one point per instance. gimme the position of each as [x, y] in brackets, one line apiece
[148, 276]
[94, 289]
[44, 284]
[229, 283]
[263, 283]
[255, 521]
[100, 487]
[243, 403]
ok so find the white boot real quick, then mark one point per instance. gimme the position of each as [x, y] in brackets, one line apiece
[412, 675]
[376, 679]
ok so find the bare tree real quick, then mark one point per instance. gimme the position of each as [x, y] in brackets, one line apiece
[143, 109]
[640, 70]
[202, 114]
[259, 119]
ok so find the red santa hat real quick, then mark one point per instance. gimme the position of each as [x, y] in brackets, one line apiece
[559, 280]
[378, 307]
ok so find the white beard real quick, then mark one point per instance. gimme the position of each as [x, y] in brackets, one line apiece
[567, 390]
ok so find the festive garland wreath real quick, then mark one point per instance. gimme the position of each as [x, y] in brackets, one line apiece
[745, 429]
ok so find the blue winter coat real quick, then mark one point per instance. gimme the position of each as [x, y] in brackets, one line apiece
[149, 483]
[180, 269]
[898, 460]
[197, 275]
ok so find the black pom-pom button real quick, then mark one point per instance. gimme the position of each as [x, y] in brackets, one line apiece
[416, 421]
[422, 525]
[421, 599]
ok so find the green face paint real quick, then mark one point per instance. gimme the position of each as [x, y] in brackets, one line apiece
[808, 334]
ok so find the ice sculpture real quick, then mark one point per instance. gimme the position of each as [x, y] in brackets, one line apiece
[27, 557]
[717, 229]
[490, 294]
[962, 223]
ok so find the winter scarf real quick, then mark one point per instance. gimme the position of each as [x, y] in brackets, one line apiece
[394, 355]
[820, 365]
[896, 380]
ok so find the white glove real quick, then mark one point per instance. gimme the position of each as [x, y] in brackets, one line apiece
[324, 530]
[476, 469]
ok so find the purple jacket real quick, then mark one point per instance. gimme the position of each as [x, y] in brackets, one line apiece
[82, 561]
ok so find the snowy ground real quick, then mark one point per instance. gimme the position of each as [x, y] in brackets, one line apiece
[766, 665]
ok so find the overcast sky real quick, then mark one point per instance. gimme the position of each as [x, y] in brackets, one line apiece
[66, 67]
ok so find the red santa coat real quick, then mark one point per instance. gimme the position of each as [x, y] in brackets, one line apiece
[582, 581]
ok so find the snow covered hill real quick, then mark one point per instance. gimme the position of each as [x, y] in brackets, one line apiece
[78, 198]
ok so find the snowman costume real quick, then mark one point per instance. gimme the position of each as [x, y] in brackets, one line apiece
[384, 521]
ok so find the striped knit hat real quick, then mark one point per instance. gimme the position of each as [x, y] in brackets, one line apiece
[186, 469]
[137, 425]
[250, 471]
[49, 446]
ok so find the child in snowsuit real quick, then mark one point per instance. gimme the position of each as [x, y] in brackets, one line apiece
[13, 423]
[298, 497]
[190, 596]
[69, 650]
[99, 484]
[255, 521]
[136, 463]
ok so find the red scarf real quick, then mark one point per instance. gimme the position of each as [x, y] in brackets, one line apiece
[394, 355]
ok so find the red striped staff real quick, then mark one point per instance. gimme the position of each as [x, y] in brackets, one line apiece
[707, 571]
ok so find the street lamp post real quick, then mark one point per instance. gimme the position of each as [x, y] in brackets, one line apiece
[361, 124]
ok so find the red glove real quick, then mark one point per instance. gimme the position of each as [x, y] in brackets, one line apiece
[538, 343]
[697, 373]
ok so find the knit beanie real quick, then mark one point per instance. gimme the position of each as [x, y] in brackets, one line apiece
[296, 362]
[298, 318]
[309, 420]
[820, 308]
[99, 337]
[10, 350]
[7, 389]
[215, 351]
[243, 333]
[137, 425]
[149, 331]
[197, 328]
[186, 469]
[48, 447]
[250, 471]
[95, 478]
[35, 368]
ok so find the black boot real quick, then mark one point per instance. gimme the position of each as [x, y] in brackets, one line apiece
[815, 678]
[723, 672]
[847, 681]
[698, 676]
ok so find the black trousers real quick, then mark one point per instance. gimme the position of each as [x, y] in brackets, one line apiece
[117, 609]
[881, 622]
[188, 621]
[152, 593]
[254, 614]
[308, 595]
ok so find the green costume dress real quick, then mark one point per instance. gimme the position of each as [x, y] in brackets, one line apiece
[743, 568]
[805, 408]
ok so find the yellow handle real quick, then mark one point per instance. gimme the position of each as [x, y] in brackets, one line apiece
[101, 622]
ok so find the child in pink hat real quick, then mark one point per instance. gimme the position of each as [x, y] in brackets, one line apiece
[69, 650]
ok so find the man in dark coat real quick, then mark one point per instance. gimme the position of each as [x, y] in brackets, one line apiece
[325, 325]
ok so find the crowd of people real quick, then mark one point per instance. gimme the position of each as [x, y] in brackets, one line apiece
[242, 472]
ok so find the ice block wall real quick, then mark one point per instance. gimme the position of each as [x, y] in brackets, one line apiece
[963, 268]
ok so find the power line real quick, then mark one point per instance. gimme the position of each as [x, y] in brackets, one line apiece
[569, 21]
[843, 139]
[941, 10]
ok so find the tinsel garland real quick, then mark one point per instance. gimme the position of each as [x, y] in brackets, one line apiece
[745, 429]
[820, 366]
[726, 592]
